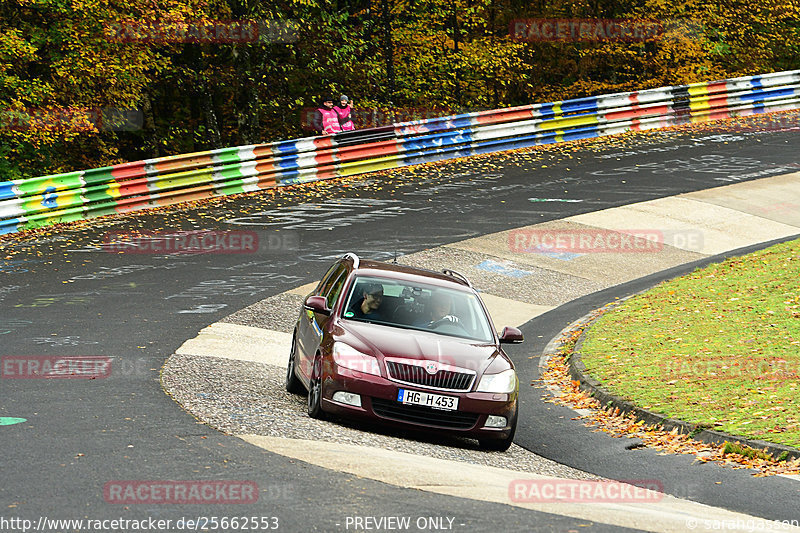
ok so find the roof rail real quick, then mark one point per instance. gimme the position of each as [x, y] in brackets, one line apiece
[354, 257]
[456, 275]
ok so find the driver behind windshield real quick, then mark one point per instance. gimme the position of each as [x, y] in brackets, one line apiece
[368, 306]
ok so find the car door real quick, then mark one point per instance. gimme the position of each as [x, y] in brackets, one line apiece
[304, 331]
[312, 324]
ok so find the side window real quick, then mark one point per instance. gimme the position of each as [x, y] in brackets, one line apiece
[330, 277]
[336, 289]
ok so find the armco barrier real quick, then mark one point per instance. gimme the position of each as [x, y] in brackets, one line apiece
[36, 202]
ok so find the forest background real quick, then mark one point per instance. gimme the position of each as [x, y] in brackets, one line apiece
[88, 83]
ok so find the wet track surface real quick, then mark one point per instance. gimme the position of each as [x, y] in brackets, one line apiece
[62, 292]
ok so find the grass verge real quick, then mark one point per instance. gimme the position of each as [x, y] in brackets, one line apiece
[718, 347]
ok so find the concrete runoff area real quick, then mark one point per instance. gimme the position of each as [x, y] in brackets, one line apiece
[725, 218]
[776, 199]
[604, 269]
[718, 229]
[242, 343]
[490, 484]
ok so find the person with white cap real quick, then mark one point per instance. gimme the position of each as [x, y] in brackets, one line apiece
[343, 111]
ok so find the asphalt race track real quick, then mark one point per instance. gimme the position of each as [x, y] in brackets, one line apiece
[63, 294]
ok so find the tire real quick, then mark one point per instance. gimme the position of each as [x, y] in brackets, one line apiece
[499, 445]
[293, 384]
[315, 392]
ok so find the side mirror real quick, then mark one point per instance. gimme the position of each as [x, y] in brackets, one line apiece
[511, 336]
[318, 304]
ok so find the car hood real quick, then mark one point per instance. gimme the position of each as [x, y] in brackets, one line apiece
[389, 341]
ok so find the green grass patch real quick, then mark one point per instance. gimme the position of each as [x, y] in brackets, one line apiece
[752, 453]
[718, 347]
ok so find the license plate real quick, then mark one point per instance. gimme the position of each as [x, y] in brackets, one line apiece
[436, 401]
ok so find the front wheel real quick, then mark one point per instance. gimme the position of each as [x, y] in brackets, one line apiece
[315, 392]
[293, 384]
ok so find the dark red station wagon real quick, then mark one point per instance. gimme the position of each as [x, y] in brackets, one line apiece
[407, 347]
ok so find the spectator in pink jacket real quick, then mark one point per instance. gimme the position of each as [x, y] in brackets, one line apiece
[343, 111]
[326, 120]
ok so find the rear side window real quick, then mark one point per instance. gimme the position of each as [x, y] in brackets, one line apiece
[330, 278]
[335, 289]
[326, 279]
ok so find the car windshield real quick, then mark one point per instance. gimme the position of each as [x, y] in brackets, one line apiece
[417, 306]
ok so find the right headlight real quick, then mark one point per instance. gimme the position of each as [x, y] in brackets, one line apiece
[503, 383]
[348, 357]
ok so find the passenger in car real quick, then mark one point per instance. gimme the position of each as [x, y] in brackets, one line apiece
[439, 311]
[369, 305]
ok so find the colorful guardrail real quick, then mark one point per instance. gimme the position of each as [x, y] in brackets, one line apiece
[40, 201]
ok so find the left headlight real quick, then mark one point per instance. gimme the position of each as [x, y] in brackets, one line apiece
[503, 383]
[348, 357]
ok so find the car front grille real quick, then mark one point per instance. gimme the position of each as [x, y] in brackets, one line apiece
[425, 416]
[417, 375]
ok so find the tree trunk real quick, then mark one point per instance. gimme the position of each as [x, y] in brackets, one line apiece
[456, 60]
[207, 103]
[388, 49]
[248, 108]
[151, 145]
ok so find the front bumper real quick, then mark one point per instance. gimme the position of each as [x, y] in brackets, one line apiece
[379, 404]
